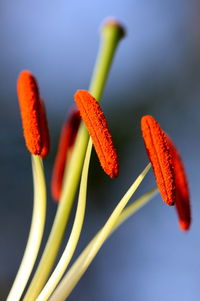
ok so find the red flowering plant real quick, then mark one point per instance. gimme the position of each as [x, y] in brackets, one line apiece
[85, 127]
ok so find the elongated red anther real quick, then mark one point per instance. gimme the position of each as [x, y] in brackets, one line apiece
[96, 124]
[44, 131]
[33, 115]
[66, 143]
[160, 156]
[182, 190]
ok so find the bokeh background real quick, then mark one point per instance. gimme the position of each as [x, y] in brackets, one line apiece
[155, 71]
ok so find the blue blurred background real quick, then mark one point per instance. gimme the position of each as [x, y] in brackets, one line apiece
[155, 71]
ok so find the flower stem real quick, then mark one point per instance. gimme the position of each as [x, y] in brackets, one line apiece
[134, 207]
[75, 233]
[110, 40]
[36, 231]
[82, 263]
[112, 33]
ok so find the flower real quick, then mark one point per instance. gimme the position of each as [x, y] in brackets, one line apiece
[168, 169]
[33, 115]
[96, 124]
[182, 189]
[158, 151]
[66, 143]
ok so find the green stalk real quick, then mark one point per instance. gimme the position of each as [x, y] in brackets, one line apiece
[75, 233]
[36, 231]
[78, 268]
[84, 260]
[111, 35]
[134, 207]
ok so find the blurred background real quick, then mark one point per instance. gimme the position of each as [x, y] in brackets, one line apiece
[156, 71]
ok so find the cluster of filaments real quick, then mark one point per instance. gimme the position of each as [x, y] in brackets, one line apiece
[86, 119]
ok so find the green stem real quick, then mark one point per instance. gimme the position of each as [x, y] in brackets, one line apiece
[112, 33]
[134, 207]
[75, 233]
[36, 231]
[110, 39]
[82, 263]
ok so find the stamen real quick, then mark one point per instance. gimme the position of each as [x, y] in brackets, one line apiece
[159, 154]
[111, 23]
[182, 189]
[44, 131]
[33, 115]
[96, 124]
[67, 139]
